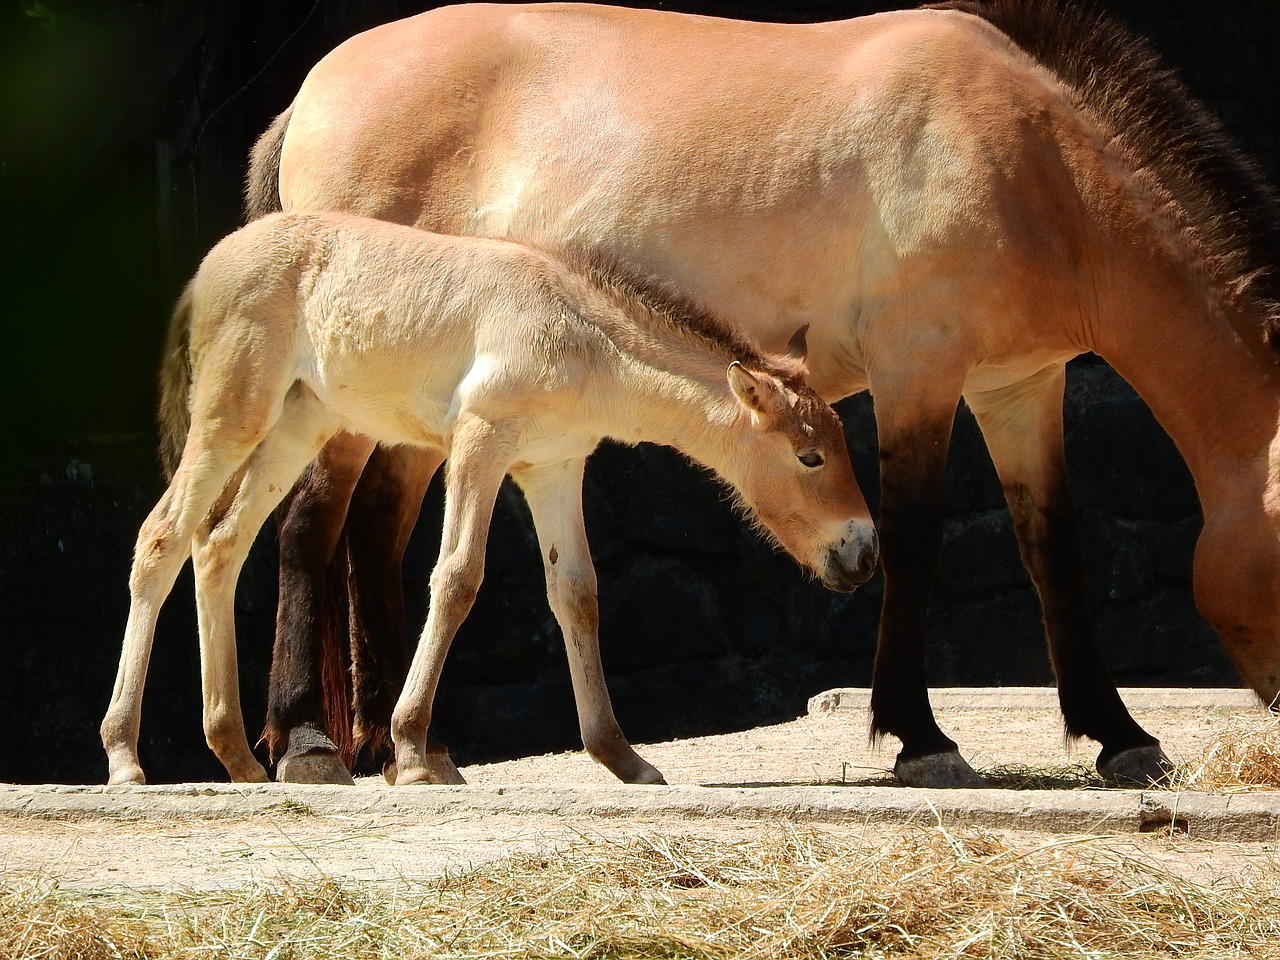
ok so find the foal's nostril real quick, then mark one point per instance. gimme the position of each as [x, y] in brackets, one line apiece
[858, 565]
[863, 569]
[846, 572]
[863, 566]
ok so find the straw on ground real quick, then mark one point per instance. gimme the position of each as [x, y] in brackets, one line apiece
[914, 892]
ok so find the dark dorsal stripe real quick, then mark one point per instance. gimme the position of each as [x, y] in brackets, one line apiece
[669, 310]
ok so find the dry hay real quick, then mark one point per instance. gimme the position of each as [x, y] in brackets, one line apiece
[1044, 776]
[911, 892]
[1245, 756]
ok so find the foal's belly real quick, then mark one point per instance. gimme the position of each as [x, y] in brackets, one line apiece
[388, 396]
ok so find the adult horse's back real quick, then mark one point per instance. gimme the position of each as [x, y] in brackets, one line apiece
[955, 209]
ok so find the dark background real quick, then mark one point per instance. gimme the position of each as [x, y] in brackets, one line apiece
[124, 128]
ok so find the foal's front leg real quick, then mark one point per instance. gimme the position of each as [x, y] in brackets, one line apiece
[1022, 425]
[554, 494]
[480, 453]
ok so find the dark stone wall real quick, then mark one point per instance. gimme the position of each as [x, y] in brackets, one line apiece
[125, 128]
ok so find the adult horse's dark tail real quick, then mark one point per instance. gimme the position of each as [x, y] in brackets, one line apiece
[262, 182]
[262, 197]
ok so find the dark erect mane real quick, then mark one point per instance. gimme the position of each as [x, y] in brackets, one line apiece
[674, 312]
[1231, 208]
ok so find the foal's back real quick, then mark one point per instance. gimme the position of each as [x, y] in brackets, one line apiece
[393, 328]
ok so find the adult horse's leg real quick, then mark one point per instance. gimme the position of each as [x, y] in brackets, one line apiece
[310, 524]
[383, 511]
[915, 410]
[554, 494]
[1022, 425]
[220, 546]
[481, 457]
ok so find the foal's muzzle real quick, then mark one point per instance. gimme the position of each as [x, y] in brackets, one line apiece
[851, 562]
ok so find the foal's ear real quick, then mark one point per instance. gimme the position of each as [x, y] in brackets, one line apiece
[758, 392]
[797, 353]
[798, 346]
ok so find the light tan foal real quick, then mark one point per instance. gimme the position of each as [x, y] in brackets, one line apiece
[499, 357]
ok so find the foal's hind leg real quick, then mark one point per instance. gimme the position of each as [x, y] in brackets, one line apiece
[221, 545]
[163, 545]
[1022, 425]
[554, 494]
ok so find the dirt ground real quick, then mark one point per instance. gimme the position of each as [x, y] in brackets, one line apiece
[156, 837]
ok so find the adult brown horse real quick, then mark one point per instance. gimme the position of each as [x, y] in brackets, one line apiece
[957, 199]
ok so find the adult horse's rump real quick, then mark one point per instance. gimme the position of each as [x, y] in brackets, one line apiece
[958, 200]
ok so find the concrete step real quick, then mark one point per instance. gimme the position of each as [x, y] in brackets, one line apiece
[1044, 698]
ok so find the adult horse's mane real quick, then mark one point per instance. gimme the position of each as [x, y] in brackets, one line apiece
[1230, 209]
[654, 304]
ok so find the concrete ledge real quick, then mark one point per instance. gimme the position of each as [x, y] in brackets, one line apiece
[1046, 698]
[559, 799]
[1238, 817]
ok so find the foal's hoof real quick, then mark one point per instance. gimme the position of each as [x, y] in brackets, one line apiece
[1137, 767]
[436, 769]
[940, 770]
[311, 758]
[129, 773]
[249, 773]
[645, 774]
[635, 769]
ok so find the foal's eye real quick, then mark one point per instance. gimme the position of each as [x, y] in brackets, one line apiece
[810, 458]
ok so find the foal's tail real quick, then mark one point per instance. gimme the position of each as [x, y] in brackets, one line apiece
[175, 386]
[262, 182]
[261, 197]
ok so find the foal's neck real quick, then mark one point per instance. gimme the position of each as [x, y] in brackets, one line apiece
[677, 399]
[666, 386]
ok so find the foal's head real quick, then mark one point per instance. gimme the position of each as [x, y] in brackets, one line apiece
[796, 475]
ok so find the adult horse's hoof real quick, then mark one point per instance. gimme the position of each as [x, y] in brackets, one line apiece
[941, 770]
[311, 758]
[1137, 767]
